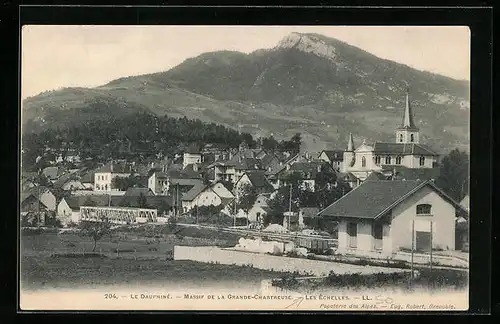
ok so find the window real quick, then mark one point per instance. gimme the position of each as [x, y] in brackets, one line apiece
[398, 160]
[424, 209]
[363, 161]
[401, 138]
[412, 138]
[422, 160]
[387, 160]
[377, 159]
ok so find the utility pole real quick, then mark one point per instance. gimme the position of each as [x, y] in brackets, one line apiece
[412, 246]
[431, 249]
[234, 218]
[290, 208]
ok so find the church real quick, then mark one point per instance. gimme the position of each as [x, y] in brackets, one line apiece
[406, 151]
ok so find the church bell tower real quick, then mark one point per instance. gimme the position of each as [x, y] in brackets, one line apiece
[407, 132]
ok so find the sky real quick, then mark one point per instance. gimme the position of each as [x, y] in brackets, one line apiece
[53, 57]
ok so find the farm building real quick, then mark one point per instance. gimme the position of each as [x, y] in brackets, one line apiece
[381, 217]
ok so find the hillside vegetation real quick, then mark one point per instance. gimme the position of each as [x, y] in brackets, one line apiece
[308, 83]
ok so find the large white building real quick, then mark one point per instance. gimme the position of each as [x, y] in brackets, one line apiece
[405, 151]
[103, 176]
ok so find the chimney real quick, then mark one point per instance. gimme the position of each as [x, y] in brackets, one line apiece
[319, 168]
[111, 166]
[195, 167]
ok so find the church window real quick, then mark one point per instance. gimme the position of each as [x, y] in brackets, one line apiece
[412, 138]
[398, 160]
[401, 138]
[387, 160]
[377, 159]
[363, 161]
[422, 160]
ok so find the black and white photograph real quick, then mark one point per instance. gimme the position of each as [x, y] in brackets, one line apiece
[233, 167]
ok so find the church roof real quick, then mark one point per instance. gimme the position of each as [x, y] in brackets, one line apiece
[402, 149]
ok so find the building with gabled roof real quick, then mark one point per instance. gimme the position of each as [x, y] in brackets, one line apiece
[255, 178]
[380, 217]
[215, 194]
[135, 192]
[334, 157]
[406, 150]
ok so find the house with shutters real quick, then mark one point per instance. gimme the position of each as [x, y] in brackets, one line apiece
[382, 217]
[406, 151]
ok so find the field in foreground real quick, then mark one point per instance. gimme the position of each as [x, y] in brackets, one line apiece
[140, 261]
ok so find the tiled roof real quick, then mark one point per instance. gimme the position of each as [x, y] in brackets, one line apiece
[308, 167]
[334, 155]
[151, 201]
[371, 198]
[258, 179]
[194, 192]
[115, 168]
[402, 149]
[74, 202]
[404, 173]
[376, 176]
[138, 191]
[185, 182]
[88, 177]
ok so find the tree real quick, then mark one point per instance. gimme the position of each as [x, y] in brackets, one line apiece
[142, 201]
[247, 196]
[120, 183]
[95, 229]
[454, 174]
[269, 143]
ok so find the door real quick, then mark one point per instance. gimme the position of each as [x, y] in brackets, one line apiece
[352, 235]
[377, 236]
[422, 241]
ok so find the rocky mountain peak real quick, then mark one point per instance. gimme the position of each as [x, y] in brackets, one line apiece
[308, 43]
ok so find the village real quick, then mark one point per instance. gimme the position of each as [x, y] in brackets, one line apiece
[376, 203]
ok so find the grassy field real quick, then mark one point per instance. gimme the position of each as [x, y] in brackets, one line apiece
[140, 260]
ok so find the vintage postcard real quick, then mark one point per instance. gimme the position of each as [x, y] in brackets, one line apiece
[304, 168]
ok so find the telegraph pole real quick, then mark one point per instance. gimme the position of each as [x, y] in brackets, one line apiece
[412, 246]
[431, 249]
[290, 208]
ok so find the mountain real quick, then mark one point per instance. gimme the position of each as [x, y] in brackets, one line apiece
[308, 83]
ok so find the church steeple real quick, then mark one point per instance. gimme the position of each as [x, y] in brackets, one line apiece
[408, 122]
[407, 132]
[350, 144]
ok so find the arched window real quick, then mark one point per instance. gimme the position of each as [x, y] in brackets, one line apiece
[387, 160]
[377, 159]
[401, 138]
[422, 160]
[398, 160]
[363, 161]
[412, 137]
[424, 209]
